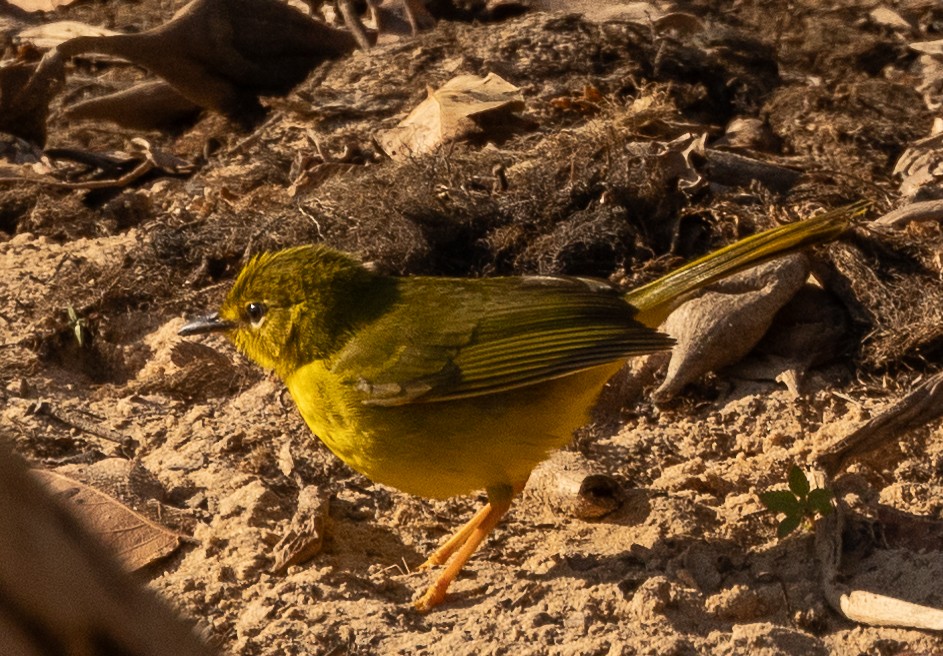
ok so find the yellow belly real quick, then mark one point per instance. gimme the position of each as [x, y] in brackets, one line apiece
[447, 448]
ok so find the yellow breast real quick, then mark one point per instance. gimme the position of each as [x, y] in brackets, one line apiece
[446, 448]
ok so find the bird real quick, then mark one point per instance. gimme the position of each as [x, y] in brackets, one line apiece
[441, 386]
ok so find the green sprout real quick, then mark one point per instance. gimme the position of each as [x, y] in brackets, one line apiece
[79, 326]
[799, 503]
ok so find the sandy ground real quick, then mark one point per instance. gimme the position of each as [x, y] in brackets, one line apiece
[689, 562]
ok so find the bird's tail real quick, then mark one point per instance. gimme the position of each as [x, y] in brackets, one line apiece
[658, 298]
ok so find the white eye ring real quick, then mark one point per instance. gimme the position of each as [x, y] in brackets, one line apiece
[256, 313]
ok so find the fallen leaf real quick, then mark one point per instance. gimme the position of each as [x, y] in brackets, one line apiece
[586, 103]
[222, 55]
[40, 5]
[448, 114]
[887, 17]
[62, 594]
[677, 158]
[921, 166]
[134, 539]
[50, 35]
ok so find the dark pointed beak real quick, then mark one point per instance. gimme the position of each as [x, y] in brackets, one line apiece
[208, 324]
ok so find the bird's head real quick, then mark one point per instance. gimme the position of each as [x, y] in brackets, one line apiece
[289, 307]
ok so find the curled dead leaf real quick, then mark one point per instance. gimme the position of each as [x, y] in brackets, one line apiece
[725, 322]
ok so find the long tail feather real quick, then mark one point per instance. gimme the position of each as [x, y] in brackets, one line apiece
[658, 298]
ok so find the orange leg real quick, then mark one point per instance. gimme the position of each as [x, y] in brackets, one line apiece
[443, 553]
[465, 542]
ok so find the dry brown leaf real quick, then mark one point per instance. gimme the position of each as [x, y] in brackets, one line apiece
[446, 115]
[50, 35]
[588, 102]
[887, 17]
[921, 167]
[224, 54]
[62, 594]
[40, 5]
[134, 539]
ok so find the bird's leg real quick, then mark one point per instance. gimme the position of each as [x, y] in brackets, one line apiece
[443, 553]
[466, 541]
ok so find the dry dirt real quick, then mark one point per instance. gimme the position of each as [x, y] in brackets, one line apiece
[688, 563]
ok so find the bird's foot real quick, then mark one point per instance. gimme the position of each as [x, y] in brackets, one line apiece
[434, 596]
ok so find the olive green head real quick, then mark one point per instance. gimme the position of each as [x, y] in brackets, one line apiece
[289, 307]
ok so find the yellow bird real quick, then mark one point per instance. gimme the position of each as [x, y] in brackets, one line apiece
[443, 386]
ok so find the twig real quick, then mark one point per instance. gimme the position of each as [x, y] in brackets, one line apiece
[732, 169]
[931, 210]
[68, 418]
[921, 405]
[123, 181]
[353, 23]
[861, 606]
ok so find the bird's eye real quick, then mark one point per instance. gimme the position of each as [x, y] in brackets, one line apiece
[255, 311]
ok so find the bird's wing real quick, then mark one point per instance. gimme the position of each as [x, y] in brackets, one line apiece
[449, 339]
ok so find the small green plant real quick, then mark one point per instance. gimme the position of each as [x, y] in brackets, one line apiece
[79, 326]
[800, 503]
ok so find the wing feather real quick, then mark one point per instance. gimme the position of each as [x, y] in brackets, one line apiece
[447, 339]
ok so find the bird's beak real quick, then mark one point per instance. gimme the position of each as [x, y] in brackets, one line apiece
[207, 324]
